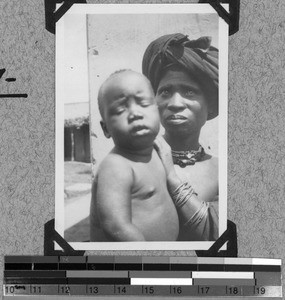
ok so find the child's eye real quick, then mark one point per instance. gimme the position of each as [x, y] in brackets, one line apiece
[117, 110]
[145, 103]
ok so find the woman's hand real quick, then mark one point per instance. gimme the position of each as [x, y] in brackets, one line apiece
[164, 152]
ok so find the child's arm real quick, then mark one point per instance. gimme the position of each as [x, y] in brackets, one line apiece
[113, 198]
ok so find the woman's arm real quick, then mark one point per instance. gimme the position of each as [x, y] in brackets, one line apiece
[199, 217]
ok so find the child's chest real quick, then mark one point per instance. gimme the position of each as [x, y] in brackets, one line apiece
[149, 178]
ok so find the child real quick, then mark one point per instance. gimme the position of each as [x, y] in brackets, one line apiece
[130, 200]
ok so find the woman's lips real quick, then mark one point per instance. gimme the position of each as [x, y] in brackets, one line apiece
[176, 119]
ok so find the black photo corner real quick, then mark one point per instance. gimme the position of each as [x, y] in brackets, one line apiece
[229, 237]
[232, 17]
[52, 15]
[51, 236]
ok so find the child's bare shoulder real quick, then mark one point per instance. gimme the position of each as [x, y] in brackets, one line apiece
[114, 161]
[116, 166]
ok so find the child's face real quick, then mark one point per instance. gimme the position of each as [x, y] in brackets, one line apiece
[131, 116]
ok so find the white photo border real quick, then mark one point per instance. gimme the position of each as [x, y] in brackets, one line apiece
[87, 9]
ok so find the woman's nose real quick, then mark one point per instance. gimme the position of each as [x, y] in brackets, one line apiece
[176, 102]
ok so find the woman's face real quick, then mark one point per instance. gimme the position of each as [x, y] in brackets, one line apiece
[181, 102]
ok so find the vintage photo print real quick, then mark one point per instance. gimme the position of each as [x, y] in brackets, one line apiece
[138, 87]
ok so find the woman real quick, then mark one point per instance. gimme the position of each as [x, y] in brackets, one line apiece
[184, 76]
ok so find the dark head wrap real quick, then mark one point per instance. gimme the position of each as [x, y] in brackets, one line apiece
[196, 57]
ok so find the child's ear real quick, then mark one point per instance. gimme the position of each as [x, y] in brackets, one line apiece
[105, 130]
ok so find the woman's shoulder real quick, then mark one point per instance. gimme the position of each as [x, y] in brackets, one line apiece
[211, 161]
[214, 161]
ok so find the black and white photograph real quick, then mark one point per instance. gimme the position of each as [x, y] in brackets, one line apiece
[142, 137]
[141, 126]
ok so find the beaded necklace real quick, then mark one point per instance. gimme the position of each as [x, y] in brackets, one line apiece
[186, 158]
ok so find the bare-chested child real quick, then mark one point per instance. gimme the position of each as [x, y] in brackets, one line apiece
[130, 200]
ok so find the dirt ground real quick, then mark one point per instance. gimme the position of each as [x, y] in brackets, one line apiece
[77, 185]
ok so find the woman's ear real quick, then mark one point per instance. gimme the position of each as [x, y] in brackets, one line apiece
[105, 130]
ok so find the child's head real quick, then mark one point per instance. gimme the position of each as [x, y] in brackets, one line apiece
[128, 110]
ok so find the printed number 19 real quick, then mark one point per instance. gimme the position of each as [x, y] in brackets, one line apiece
[260, 290]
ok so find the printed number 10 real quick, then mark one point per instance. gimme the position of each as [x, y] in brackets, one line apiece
[10, 289]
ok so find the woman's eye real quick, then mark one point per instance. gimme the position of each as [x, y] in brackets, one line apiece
[189, 93]
[164, 92]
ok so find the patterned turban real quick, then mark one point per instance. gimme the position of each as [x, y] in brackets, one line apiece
[197, 57]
